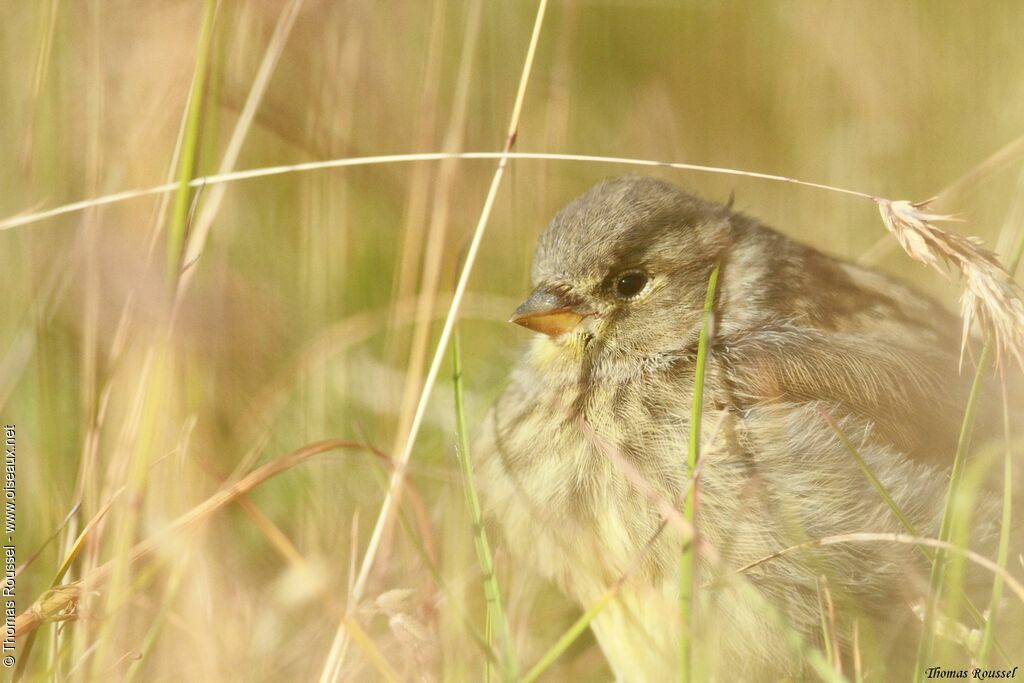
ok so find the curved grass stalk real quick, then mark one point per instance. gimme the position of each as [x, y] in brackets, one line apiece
[375, 160]
[887, 537]
[63, 598]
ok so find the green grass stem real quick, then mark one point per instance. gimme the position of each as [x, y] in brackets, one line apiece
[570, 635]
[1003, 554]
[870, 476]
[495, 614]
[686, 564]
[928, 553]
[190, 147]
[936, 577]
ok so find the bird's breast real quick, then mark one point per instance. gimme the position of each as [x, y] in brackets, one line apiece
[579, 467]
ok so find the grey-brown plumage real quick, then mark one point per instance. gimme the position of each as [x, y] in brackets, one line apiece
[583, 456]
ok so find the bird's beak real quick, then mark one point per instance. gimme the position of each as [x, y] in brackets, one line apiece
[548, 312]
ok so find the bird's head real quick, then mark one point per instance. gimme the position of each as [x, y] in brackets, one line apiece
[621, 271]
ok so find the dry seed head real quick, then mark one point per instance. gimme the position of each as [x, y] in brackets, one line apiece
[990, 294]
[394, 601]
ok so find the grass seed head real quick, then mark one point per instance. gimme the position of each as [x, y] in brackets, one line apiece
[991, 296]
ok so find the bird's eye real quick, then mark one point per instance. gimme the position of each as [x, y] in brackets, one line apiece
[628, 285]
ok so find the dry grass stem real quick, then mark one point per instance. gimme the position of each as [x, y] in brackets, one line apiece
[28, 218]
[235, 229]
[394, 487]
[884, 537]
[991, 297]
[197, 238]
[50, 602]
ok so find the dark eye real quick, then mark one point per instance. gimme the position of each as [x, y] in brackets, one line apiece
[628, 285]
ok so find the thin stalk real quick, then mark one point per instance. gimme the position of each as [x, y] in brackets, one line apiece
[496, 621]
[811, 655]
[858, 668]
[212, 203]
[927, 552]
[372, 652]
[870, 475]
[686, 564]
[581, 624]
[827, 625]
[571, 634]
[190, 148]
[263, 172]
[394, 489]
[163, 614]
[875, 537]
[936, 577]
[489, 635]
[1003, 554]
[28, 620]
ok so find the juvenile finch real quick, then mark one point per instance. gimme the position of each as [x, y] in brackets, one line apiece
[582, 459]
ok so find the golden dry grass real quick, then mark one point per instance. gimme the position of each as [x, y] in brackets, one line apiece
[311, 304]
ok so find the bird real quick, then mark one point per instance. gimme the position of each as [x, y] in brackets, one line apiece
[582, 459]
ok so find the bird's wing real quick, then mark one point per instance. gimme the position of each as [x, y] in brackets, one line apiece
[913, 397]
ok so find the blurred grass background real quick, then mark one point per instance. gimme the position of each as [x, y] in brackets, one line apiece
[302, 320]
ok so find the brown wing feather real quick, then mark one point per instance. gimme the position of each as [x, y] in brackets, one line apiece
[912, 396]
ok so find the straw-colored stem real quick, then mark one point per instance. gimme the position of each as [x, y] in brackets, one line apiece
[271, 56]
[904, 539]
[814, 658]
[372, 652]
[375, 160]
[495, 614]
[27, 621]
[163, 614]
[339, 647]
[686, 564]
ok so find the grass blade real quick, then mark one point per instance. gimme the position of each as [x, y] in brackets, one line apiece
[581, 624]
[870, 475]
[495, 614]
[373, 654]
[936, 577]
[1003, 553]
[187, 169]
[394, 489]
[570, 636]
[686, 564]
